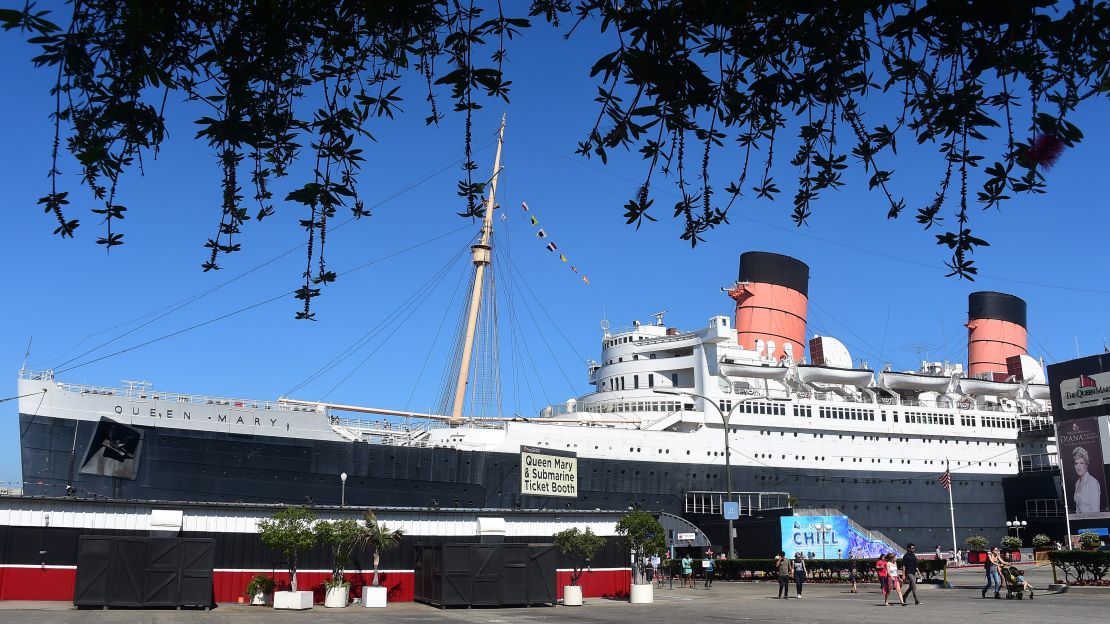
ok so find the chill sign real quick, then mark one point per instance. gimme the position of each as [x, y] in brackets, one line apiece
[544, 472]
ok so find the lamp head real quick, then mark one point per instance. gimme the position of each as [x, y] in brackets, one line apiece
[343, 477]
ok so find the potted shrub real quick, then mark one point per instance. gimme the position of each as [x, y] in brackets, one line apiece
[1011, 546]
[260, 589]
[290, 532]
[976, 549]
[1042, 544]
[341, 537]
[379, 538]
[1089, 540]
[642, 534]
[580, 546]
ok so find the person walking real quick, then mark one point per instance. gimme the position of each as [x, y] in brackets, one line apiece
[852, 572]
[909, 565]
[708, 565]
[799, 573]
[880, 570]
[994, 577]
[687, 571]
[784, 569]
[893, 581]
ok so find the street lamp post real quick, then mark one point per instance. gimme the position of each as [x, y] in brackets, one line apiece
[728, 462]
[343, 489]
[1016, 525]
[821, 530]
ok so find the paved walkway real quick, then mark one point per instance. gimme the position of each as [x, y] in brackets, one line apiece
[733, 602]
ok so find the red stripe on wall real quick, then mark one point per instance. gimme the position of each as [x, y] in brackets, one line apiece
[37, 583]
[229, 586]
[34, 583]
[598, 584]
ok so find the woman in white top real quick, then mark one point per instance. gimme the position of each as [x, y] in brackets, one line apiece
[893, 581]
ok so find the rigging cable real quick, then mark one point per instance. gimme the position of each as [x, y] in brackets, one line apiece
[250, 307]
[371, 333]
[542, 334]
[434, 342]
[174, 307]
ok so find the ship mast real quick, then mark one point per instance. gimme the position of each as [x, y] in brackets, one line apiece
[481, 254]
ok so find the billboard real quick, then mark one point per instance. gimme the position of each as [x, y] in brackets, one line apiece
[546, 472]
[826, 537]
[1080, 388]
[1081, 461]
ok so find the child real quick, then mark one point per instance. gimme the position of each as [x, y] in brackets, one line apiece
[1026, 586]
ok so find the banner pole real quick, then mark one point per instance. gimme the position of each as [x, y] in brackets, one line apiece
[1063, 484]
[951, 505]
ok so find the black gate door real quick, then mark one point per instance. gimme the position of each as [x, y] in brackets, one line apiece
[198, 557]
[514, 563]
[94, 564]
[143, 572]
[128, 566]
[540, 573]
[162, 578]
[486, 574]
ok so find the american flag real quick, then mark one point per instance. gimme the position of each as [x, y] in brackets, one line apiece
[945, 480]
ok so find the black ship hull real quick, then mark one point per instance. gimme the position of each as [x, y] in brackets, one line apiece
[197, 465]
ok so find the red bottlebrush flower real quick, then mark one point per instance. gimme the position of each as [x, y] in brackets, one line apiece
[1045, 151]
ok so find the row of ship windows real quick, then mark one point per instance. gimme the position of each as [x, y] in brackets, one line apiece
[618, 383]
[888, 438]
[850, 413]
[621, 340]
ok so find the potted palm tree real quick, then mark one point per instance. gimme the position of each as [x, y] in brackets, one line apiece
[379, 538]
[290, 531]
[260, 589]
[642, 534]
[341, 537]
[580, 546]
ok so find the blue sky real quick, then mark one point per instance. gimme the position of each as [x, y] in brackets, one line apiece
[878, 285]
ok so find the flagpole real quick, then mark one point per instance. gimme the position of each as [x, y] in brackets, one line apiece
[951, 505]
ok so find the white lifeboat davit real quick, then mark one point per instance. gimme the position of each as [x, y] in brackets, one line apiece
[1038, 391]
[759, 371]
[983, 387]
[914, 381]
[860, 377]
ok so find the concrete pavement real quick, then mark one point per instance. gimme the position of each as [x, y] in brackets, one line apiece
[738, 602]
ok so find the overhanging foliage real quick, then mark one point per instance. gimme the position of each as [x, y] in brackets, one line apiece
[992, 86]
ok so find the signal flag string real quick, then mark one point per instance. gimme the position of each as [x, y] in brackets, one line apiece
[551, 245]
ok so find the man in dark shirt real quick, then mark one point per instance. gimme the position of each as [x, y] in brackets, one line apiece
[909, 566]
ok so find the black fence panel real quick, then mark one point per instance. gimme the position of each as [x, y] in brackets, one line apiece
[143, 572]
[485, 575]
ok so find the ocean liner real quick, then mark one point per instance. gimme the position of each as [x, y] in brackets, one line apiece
[817, 430]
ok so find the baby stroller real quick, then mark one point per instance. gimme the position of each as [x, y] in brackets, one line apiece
[1015, 583]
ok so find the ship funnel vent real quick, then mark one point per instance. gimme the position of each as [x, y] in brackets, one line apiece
[771, 297]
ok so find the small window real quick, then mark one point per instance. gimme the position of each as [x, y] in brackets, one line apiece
[651, 381]
[635, 382]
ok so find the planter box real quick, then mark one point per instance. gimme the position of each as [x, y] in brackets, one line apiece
[642, 594]
[375, 597]
[336, 597]
[297, 601]
[572, 596]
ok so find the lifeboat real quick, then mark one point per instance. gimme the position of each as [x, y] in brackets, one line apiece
[914, 381]
[759, 371]
[861, 377]
[982, 387]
